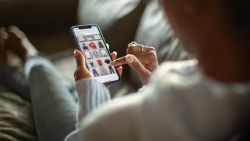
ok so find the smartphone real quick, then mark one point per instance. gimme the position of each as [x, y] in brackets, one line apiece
[89, 39]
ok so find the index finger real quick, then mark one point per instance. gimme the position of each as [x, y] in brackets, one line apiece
[119, 61]
[136, 48]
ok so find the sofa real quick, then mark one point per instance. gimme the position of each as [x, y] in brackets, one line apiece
[46, 24]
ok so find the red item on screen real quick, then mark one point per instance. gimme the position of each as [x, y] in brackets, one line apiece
[99, 62]
[92, 45]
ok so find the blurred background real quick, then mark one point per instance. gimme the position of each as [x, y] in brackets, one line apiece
[44, 21]
[47, 23]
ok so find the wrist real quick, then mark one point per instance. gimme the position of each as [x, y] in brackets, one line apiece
[82, 74]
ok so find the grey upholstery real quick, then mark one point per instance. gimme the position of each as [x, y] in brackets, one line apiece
[155, 31]
[117, 18]
[16, 122]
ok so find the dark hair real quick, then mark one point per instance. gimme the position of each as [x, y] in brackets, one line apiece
[239, 14]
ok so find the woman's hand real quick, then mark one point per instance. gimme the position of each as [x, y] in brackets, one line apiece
[82, 71]
[142, 59]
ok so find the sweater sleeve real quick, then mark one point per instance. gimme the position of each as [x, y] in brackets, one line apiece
[91, 95]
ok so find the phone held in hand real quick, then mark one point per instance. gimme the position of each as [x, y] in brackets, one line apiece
[89, 39]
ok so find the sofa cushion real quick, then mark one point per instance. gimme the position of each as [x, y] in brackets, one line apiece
[117, 18]
[104, 12]
[36, 16]
[155, 31]
[16, 122]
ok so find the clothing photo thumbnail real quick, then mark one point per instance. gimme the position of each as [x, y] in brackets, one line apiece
[111, 70]
[97, 37]
[107, 61]
[81, 38]
[95, 73]
[103, 53]
[88, 55]
[103, 71]
[89, 37]
[100, 44]
[92, 45]
[92, 64]
[96, 53]
[84, 46]
[99, 61]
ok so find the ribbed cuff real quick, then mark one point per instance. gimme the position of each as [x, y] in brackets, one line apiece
[91, 95]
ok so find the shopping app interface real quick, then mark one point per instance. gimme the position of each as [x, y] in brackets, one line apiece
[97, 57]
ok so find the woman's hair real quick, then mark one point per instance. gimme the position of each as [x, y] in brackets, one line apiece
[239, 14]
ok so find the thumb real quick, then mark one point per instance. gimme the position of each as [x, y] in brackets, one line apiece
[81, 69]
[80, 59]
[137, 66]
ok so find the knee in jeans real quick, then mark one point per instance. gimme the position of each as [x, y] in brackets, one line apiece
[39, 71]
[39, 68]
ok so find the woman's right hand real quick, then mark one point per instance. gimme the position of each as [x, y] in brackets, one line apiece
[142, 59]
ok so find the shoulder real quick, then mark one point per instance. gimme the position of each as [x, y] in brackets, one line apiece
[180, 67]
[174, 74]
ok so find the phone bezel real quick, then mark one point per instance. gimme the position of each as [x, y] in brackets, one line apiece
[77, 46]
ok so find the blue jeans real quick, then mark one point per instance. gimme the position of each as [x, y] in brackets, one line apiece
[54, 107]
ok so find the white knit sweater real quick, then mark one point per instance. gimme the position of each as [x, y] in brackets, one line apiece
[179, 104]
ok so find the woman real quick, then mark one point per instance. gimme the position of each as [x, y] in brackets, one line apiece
[203, 100]
[207, 99]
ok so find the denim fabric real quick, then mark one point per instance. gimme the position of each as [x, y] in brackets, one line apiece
[14, 80]
[54, 108]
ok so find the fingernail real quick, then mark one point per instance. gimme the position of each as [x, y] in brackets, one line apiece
[133, 42]
[130, 59]
[141, 45]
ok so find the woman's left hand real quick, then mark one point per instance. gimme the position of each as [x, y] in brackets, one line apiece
[82, 71]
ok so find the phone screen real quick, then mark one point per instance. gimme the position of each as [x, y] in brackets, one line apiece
[93, 46]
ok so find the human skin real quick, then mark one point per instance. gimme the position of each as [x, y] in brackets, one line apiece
[142, 59]
[81, 71]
